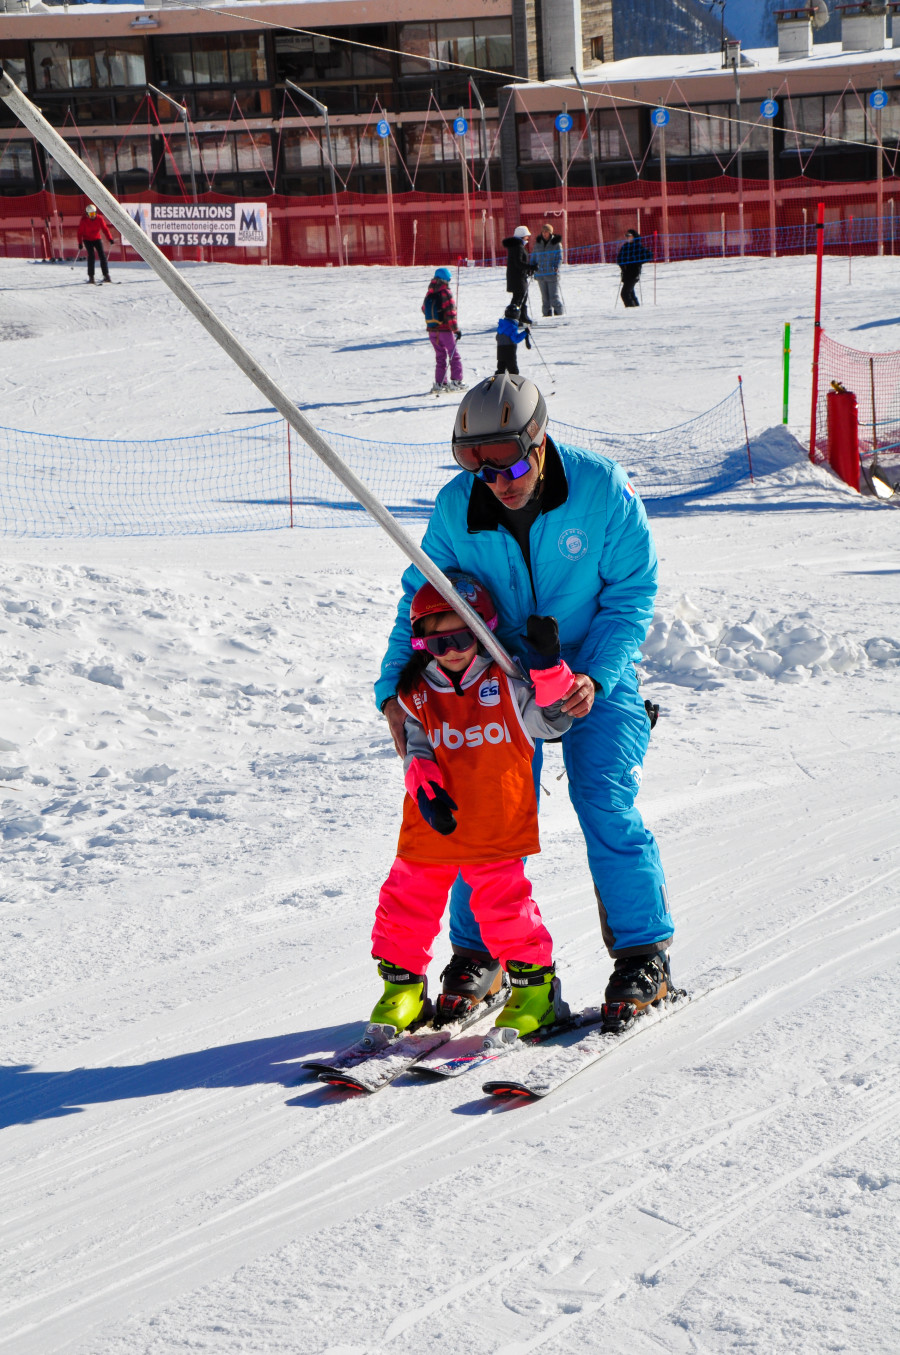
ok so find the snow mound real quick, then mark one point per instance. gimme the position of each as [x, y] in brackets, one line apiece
[685, 647]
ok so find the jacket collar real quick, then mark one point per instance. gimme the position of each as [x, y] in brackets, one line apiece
[484, 509]
[437, 678]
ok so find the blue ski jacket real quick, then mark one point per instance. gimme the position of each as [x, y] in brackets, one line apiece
[593, 565]
[509, 331]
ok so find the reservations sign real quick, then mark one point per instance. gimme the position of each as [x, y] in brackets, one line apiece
[236, 224]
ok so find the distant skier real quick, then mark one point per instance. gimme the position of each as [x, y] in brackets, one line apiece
[91, 228]
[471, 806]
[547, 256]
[631, 258]
[519, 269]
[510, 333]
[439, 310]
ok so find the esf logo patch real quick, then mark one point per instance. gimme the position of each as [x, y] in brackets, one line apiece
[489, 692]
[573, 543]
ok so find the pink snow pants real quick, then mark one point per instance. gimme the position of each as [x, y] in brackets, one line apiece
[413, 899]
[445, 346]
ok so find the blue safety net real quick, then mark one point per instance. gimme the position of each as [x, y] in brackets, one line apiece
[265, 477]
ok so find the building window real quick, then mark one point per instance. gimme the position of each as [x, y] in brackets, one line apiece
[84, 64]
[212, 59]
[678, 137]
[300, 150]
[15, 163]
[12, 54]
[597, 49]
[619, 133]
[485, 43]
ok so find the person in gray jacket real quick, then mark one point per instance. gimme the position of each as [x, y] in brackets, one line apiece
[547, 255]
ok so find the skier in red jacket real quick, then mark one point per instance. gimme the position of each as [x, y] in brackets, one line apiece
[91, 228]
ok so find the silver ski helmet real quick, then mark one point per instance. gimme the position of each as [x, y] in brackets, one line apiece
[502, 409]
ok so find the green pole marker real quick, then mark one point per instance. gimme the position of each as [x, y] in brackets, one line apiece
[786, 365]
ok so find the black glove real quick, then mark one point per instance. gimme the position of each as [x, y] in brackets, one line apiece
[458, 333]
[437, 812]
[527, 340]
[542, 642]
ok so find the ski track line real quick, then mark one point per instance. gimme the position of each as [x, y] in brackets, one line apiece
[786, 868]
[841, 959]
[176, 1156]
[815, 914]
[200, 1245]
[190, 1233]
[735, 1126]
[617, 1197]
[731, 1218]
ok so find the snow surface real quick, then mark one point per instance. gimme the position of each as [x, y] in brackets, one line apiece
[199, 803]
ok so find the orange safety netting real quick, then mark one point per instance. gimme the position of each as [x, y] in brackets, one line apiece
[874, 378]
[705, 218]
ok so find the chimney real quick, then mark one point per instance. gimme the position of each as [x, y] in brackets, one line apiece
[562, 41]
[794, 32]
[864, 26]
[731, 53]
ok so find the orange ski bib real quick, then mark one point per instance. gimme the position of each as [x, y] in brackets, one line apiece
[484, 753]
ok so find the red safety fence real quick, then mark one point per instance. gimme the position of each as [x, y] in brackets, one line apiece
[710, 217]
[874, 380]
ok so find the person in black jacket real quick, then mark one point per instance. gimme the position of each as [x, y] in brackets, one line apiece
[631, 258]
[518, 269]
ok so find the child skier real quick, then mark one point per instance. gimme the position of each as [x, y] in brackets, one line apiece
[471, 807]
[510, 333]
[91, 228]
[443, 331]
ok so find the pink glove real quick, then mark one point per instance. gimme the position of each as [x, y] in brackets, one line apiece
[420, 775]
[551, 684]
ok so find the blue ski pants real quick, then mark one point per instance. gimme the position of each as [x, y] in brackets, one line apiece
[603, 756]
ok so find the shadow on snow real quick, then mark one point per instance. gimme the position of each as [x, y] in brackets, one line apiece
[28, 1095]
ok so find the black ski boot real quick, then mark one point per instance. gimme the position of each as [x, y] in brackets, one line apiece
[637, 982]
[469, 978]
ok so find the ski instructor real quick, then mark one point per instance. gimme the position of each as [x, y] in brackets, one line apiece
[559, 531]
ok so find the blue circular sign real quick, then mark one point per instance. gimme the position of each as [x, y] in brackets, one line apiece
[383, 128]
[878, 98]
[659, 117]
[768, 108]
[564, 122]
[460, 126]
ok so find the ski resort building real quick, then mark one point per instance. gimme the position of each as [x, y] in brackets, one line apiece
[92, 67]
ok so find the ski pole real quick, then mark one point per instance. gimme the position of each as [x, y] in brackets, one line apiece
[88, 182]
[541, 356]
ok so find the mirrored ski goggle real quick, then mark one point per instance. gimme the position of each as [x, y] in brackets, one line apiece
[508, 456]
[514, 472]
[445, 641]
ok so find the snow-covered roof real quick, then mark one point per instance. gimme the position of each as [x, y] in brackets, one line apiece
[700, 64]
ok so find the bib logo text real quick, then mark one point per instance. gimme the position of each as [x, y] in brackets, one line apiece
[473, 737]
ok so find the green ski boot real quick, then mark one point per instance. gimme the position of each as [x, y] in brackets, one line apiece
[404, 1003]
[535, 999]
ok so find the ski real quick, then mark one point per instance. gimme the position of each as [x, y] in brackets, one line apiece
[539, 1077]
[501, 1042]
[381, 1055]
